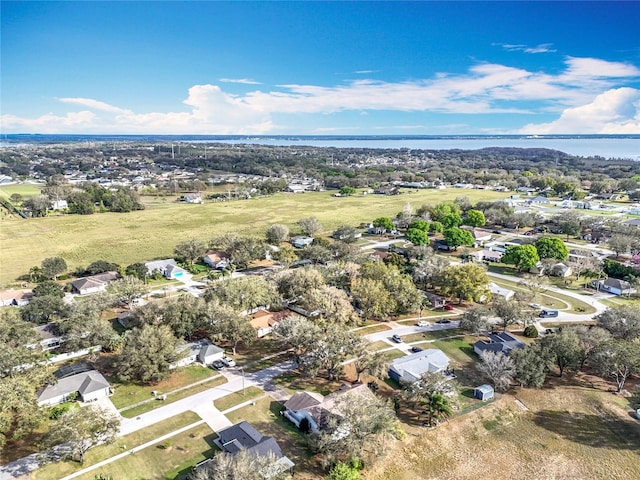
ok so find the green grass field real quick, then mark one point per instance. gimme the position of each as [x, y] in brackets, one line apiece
[126, 238]
[25, 189]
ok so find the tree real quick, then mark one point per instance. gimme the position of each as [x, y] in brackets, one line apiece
[618, 359]
[127, 289]
[332, 303]
[467, 282]
[344, 471]
[428, 384]
[436, 227]
[552, 247]
[384, 223]
[498, 368]
[329, 352]
[530, 365]
[147, 355]
[429, 270]
[310, 226]
[52, 267]
[362, 425]
[299, 333]
[44, 309]
[277, 233]
[49, 288]
[84, 428]
[235, 329]
[451, 220]
[285, 255]
[475, 320]
[589, 339]
[475, 218]
[437, 407]
[243, 465]
[417, 236]
[509, 312]
[38, 205]
[623, 322]
[190, 251]
[367, 360]
[420, 225]
[620, 243]
[583, 265]
[80, 203]
[244, 293]
[138, 270]
[457, 237]
[83, 327]
[292, 284]
[347, 191]
[524, 257]
[373, 298]
[345, 233]
[240, 250]
[563, 349]
[441, 210]
[570, 224]
[101, 266]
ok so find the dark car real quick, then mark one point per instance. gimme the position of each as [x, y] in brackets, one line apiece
[416, 349]
[217, 365]
[444, 320]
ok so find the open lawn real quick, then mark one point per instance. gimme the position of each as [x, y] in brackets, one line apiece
[58, 470]
[568, 432]
[380, 327]
[25, 189]
[172, 460]
[237, 398]
[126, 238]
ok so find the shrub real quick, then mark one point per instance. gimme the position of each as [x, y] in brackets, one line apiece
[531, 331]
[59, 410]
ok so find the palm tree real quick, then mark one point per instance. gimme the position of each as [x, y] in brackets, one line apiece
[438, 408]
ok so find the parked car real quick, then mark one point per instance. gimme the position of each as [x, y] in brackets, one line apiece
[396, 338]
[229, 362]
[443, 320]
[548, 313]
[537, 306]
[423, 323]
[416, 349]
[217, 365]
[448, 307]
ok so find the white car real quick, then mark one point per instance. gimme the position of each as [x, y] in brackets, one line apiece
[537, 306]
[423, 323]
[229, 362]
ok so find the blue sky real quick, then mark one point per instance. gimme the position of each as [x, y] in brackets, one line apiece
[320, 67]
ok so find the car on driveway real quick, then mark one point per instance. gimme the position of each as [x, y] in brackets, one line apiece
[423, 323]
[416, 349]
[217, 365]
[396, 338]
[448, 307]
[443, 320]
[537, 306]
[229, 362]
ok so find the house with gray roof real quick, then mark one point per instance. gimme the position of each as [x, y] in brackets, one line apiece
[613, 285]
[502, 342]
[202, 351]
[167, 268]
[94, 283]
[409, 369]
[88, 386]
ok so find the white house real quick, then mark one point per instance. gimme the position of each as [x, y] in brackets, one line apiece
[168, 268]
[202, 352]
[498, 291]
[15, 298]
[94, 283]
[59, 205]
[217, 260]
[89, 386]
[614, 285]
[301, 242]
[192, 198]
[409, 369]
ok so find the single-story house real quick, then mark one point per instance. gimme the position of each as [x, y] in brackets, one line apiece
[483, 392]
[15, 298]
[497, 342]
[89, 385]
[217, 260]
[436, 301]
[202, 351]
[301, 241]
[539, 200]
[192, 198]
[409, 369]
[487, 256]
[614, 285]
[94, 283]
[264, 321]
[498, 291]
[442, 245]
[168, 268]
[316, 408]
[479, 236]
[244, 437]
[51, 338]
[378, 255]
[59, 205]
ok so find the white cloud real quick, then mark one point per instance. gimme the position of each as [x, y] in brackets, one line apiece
[615, 111]
[486, 88]
[246, 81]
[541, 48]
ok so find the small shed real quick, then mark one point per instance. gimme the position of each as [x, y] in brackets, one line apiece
[483, 392]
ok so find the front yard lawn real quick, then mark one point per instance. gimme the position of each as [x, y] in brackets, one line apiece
[237, 398]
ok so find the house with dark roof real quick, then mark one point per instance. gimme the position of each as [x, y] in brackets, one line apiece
[94, 283]
[244, 437]
[613, 285]
[409, 369]
[87, 385]
[497, 342]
